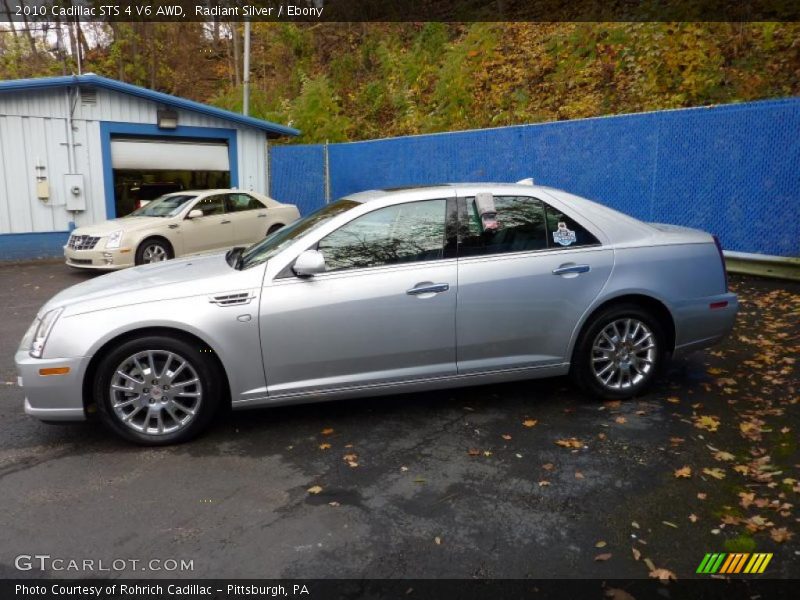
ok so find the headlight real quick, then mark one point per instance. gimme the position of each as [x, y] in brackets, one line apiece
[42, 330]
[114, 238]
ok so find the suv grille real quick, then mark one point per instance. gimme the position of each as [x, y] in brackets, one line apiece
[82, 242]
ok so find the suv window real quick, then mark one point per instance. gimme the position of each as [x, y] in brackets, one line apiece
[520, 227]
[212, 205]
[564, 232]
[403, 233]
[242, 202]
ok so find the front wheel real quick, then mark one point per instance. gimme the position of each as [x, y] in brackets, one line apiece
[153, 250]
[620, 353]
[157, 390]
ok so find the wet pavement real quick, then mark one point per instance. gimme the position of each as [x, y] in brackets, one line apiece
[529, 479]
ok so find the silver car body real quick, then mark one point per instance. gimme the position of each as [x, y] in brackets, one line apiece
[358, 333]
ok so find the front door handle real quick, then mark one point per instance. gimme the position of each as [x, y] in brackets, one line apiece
[224, 222]
[566, 269]
[262, 215]
[428, 288]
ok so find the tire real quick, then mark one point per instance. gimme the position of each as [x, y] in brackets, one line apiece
[616, 367]
[153, 250]
[157, 415]
[274, 228]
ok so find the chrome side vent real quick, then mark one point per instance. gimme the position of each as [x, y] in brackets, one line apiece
[235, 299]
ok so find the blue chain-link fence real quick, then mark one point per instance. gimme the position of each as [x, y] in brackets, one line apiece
[732, 170]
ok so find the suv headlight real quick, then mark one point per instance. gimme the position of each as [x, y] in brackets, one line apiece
[114, 238]
[39, 330]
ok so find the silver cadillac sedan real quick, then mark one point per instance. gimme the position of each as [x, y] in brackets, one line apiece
[381, 292]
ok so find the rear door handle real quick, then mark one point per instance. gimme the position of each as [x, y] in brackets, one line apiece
[224, 222]
[262, 215]
[566, 269]
[428, 288]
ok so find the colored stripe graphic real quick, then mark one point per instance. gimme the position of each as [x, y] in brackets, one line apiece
[736, 562]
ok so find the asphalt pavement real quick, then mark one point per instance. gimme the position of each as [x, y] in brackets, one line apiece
[529, 479]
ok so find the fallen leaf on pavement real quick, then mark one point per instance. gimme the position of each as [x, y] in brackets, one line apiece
[334, 503]
[548, 466]
[674, 399]
[324, 446]
[693, 518]
[702, 495]
[600, 544]
[487, 452]
[663, 575]
[327, 431]
[578, 475]
[437, 540]
[314, 489]
[781, 535]
[746, 498]
[570, 443]
[474, 452]
[636, 554]
[505, 436]
[603, 557]
[621, 420]
[685, 471]
[669, 524]
[721, 455]
[706, 422]
[530, 422]
[543, 483]
[715, 473]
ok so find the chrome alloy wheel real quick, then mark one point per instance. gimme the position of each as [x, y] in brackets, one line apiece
[623, 353]
[155, 392]
[154, 253]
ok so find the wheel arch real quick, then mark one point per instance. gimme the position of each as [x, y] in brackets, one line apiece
[659, 309]
[155, 236]
[91, 369]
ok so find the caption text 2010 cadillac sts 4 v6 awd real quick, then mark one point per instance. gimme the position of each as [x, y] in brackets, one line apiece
[381, 292]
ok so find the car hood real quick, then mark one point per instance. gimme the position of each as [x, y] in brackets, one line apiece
[192, 276]
[126, 224]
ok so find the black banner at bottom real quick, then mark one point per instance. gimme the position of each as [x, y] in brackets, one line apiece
[412, 589]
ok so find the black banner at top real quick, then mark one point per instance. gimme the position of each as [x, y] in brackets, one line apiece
[398, 10]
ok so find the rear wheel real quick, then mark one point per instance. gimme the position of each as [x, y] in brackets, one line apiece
[620, 353]
[157, 390]
[153, 250]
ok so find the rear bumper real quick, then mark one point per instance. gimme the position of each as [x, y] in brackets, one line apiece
[52, 397]
[703, 322]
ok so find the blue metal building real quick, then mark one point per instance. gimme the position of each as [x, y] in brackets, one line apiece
[78, 149]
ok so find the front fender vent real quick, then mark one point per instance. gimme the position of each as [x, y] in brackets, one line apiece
[234, 299]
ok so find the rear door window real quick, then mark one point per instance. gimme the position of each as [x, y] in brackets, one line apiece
[242, 202]
[520, 227]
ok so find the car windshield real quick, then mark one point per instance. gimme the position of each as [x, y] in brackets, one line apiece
[165, 206]
[272, 244]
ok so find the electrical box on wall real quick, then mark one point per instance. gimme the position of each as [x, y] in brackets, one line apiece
[43, 189]
[74, 192]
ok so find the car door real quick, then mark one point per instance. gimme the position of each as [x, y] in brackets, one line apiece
[383, 312]
[523, 284]
[249, 217]
[214, 230]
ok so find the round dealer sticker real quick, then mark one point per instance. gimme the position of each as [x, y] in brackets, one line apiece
[564, 236]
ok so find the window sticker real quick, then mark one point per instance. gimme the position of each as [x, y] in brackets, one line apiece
[564, 236]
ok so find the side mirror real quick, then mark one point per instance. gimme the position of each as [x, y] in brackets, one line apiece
[309, 263]
[195, 213]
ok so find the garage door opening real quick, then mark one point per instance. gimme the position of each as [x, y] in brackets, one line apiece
[144, 169]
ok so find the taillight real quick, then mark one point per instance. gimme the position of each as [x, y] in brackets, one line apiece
[722, 259]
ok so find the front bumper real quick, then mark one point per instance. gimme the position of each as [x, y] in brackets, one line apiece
[52, 397]
[99, 258]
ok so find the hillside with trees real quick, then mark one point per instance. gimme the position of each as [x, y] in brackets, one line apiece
[351, 81]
